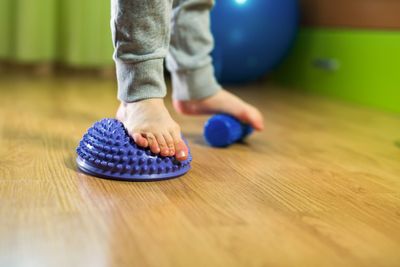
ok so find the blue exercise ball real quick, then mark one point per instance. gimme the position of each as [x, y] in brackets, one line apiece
[251, 37]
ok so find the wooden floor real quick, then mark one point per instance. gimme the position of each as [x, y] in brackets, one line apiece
[320, 187]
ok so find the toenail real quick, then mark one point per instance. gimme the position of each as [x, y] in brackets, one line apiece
[181, 154]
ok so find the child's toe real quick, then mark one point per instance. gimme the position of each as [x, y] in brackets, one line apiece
[251, 116]
[256, 119]
[164, 150]
[152, 143]
[140, 140]
[170, 143]
[181, 150]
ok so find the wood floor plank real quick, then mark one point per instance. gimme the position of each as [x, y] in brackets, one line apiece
[319, 187]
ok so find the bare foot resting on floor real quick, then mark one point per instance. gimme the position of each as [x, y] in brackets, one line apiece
[222, 102]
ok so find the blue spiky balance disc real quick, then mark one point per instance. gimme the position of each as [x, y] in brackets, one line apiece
[107, 151]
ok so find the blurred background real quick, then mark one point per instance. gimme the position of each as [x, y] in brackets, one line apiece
[347, 49]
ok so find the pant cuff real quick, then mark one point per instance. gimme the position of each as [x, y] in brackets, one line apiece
[141, 80]
[194, 84]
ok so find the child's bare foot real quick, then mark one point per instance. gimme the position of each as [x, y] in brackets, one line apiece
[150, 125]
[222, 102]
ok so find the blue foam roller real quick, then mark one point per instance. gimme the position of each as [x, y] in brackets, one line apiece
[107, 151]
[222, 130]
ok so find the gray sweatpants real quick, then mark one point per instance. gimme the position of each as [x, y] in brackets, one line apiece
[145, 32]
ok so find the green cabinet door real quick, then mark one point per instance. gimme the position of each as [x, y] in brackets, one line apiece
[356, 65]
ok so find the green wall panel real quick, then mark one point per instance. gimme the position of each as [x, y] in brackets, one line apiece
[73, 32]
[34, 29]
[356, 65]
[6, 20]
[86, 35]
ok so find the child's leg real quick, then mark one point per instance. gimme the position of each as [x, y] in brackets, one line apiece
[195, 89]
[141, 31]
[189, 59]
